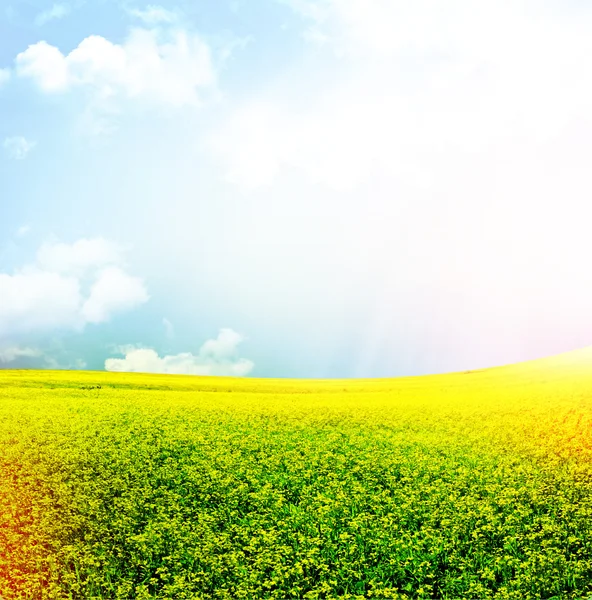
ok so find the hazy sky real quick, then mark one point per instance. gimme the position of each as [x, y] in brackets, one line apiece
[294, 188]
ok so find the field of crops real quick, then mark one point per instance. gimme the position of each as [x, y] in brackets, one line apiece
[465, 485]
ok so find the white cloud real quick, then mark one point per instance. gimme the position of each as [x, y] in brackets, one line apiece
[114, 291]
[49, 294]
[81, 256]
[152, 15]
[216, 357]
[248, 144]
[52, 363]
[18, 147]
[439, 154]
[4, 76]
[168, 70]
[387, 28]
[13, 352]
[57, 11]
[38, 301]
[419, 85]
[334, 145]
[223, 347]
[10, 353]
[23, 230]
[46, 65]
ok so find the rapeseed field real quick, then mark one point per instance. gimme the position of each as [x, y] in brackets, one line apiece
[464, 485]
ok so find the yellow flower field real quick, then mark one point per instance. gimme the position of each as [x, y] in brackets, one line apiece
[464, 485]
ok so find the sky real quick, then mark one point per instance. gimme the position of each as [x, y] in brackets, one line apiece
[294, 188]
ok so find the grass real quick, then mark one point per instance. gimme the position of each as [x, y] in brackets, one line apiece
[464, 485]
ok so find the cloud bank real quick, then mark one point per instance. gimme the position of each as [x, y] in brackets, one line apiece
[162, 69]
[215, 357]
[446, 141]
[50, 294]
[11, 353]
[415, 88]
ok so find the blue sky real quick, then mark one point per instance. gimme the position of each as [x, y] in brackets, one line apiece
[294, 188]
